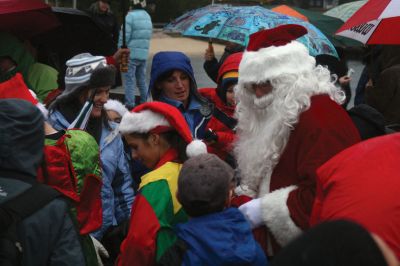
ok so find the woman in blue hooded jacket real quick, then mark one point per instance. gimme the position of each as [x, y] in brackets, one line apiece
[88, 79]
[172, 81]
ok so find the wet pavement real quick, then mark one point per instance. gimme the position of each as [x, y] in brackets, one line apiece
[195, 48]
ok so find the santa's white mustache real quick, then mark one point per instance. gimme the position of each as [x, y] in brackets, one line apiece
[264, 101]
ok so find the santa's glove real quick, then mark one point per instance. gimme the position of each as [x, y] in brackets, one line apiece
[252, 211]
[101, 251]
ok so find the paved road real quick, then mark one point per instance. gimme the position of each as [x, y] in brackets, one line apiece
[191, 47]
[195, 50]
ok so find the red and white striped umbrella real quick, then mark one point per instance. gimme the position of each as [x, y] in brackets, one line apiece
[377, 22]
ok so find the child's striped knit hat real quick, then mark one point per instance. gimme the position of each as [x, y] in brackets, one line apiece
[86, 70]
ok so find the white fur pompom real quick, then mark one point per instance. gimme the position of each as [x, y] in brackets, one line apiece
[196, 147]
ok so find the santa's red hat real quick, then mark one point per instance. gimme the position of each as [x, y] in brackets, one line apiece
[16, 88]
[158, 117]
[273, 52]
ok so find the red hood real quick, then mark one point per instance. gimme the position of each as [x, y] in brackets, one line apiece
[211, 94]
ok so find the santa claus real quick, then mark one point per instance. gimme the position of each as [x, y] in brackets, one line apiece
[289, 123]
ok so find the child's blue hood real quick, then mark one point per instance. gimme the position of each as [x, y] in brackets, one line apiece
[167, 61]
[223, 238]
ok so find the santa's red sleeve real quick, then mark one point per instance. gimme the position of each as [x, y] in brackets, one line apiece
[362, 184]
[317, 138]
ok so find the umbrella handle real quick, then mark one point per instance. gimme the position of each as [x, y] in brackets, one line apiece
[210, 45]
[123, 65]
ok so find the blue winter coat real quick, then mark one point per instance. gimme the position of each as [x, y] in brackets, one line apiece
[117, 191]
[138, 30]
[222, 238]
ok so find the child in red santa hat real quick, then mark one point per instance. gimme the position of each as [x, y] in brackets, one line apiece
[160, 137]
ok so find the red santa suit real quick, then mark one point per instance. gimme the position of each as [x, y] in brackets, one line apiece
[322, 131]
[362, 184]
[285, 135]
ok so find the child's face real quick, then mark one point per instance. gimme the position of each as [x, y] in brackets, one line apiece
[176, 86]
[100, 99]
[145, 150]
[114, 116]
[230, 95]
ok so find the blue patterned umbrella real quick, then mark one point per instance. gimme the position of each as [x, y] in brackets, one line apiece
[236, 23]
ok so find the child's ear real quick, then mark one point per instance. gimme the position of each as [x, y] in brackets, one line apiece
[229, 198]
[154, 139]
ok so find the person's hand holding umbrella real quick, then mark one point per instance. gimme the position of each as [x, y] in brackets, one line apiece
[121, 53]
[209, 55]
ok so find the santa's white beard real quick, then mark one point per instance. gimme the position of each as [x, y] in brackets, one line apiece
[264, 124]
[262, 136]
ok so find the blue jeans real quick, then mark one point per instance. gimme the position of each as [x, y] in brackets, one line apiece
[136, 75]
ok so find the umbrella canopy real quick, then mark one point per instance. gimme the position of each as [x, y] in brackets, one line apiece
[237, 23]
[26, 18]
[78, 33]
[326, 24]
[374, 23]
[345, 11]
[287, 10]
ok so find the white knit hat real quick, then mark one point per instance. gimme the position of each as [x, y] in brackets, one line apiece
[117, 106]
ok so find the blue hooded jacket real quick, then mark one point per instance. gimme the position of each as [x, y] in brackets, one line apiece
[222, 238]
[164, 62]
[117, 193]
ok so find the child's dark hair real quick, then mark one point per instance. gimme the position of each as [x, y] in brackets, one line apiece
[155, 91]
[173, 139]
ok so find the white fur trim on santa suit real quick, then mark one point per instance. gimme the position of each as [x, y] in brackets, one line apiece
[245, 190]
[141, 122]
[276, 215]
[268, 63]
[117, 106]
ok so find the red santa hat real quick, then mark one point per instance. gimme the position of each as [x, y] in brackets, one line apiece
[16, 88]
[273, 52]
[158, 117]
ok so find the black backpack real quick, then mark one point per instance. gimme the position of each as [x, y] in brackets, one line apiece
[369, 121]
[15, 210]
